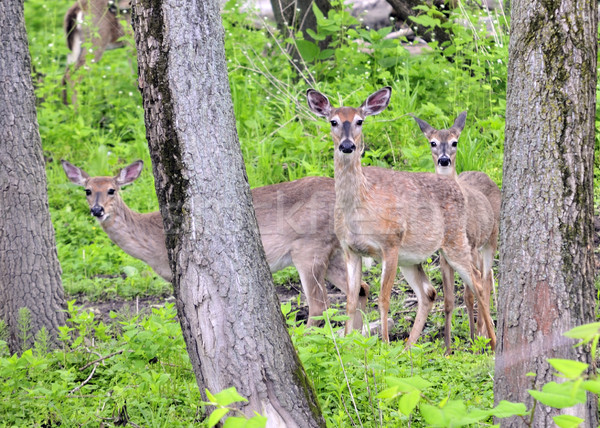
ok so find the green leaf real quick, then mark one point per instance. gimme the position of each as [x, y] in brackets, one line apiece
[216, 416]
[409, 401]
[432, 414]
[228, 396]
[314, 35]
[559, 395]
[584, 332]
[211, 398]
[592, 385]
[567, 421]
[326, 53]
[569, 368]
[308, 50]
[425, 21]
[505, 409]
[130, 271]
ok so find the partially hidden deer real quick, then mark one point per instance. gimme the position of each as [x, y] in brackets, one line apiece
[97, 22]
[295, 221]
[400, 218]
[483, 199]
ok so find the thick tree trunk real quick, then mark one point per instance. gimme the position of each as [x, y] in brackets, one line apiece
[229, 312]
[546, 247]
[29, 268]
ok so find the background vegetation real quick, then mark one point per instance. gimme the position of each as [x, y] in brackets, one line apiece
[135, 369]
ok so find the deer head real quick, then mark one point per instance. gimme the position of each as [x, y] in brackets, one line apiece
[443, 143]
[346, 122]
[102, 193]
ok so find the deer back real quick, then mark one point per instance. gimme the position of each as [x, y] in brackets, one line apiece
[296, 215]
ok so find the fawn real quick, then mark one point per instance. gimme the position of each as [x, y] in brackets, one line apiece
[104, 32]
[295, 221]
[400, 218]
[483, 199]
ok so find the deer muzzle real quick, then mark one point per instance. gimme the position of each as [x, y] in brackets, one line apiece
[347, 146]
[444, 161]
[97, 211]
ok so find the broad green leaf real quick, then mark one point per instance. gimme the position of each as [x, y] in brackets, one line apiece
[425, 21]
[130, 271]
[257, 421]
[216, 416]
[592, 385]
[211, 398]
[408, 384]
[308, 50]
[228, 396]
[505, 409]
[326, 53]
[584, 332]
[314, 35]
[559, 395]
[432, 415]
[409, 401]
[569, 368]
[567, 421]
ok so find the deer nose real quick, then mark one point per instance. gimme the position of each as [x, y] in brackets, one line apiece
[444, 161]
[347, 146]
[97, 211]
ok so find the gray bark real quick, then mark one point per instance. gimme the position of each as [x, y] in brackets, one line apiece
[546, 247]
[29, 267]
[229, 312]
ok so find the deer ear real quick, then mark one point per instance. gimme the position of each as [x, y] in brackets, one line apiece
[459, 123]
[377, 102]
[76, 175]
[318, 103]
[128, 174]
[426, 128]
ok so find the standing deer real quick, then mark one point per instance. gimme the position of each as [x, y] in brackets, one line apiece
[103, 31]
[400, 218]
[295, 221]
[483, 198]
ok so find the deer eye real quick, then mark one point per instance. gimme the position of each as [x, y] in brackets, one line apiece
[359, 122]
[111, 191]
[454, 143]
[433, 144]
[334, 123]
[88, 192]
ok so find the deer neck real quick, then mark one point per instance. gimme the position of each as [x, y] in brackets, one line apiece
[122, 226]
[350, 182]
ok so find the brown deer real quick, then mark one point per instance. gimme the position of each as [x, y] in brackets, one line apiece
[103, 30]
[483, 199]
[398, 217]
[295, 221]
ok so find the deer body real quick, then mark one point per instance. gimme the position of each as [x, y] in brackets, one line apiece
[400, 218]
[104, 31]
[295, 221]
[483, 198]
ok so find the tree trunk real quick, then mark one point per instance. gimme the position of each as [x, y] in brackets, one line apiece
[546, 247]
[29, 267]
[229, 312]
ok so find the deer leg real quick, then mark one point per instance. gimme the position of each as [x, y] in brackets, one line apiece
[312, 277]
[338, 276]
[389, 268]
[448, 287]
[487, 258]
[416, 278]
[470, 304]
[472, 278]
[354, 268]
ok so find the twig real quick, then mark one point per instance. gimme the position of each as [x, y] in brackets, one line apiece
[77, 388]
[100, 359]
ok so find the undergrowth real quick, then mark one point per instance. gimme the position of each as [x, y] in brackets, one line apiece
[135, 369]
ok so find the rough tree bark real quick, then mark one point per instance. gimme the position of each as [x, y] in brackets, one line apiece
[29, 267]
[229, 312]
[546, 247]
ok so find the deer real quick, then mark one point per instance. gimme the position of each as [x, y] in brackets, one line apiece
[295, 220]
[397, 217]
[104, 31]
[483, 199]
